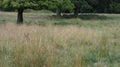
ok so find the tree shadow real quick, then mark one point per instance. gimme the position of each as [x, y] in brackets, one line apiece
[85, 16]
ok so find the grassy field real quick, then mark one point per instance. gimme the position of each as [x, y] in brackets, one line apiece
[47, 41]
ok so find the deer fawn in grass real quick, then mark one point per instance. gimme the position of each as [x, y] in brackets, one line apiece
[27, 36]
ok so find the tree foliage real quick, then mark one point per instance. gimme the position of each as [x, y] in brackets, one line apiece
[114, 6]
[18, 3]
[61, 6]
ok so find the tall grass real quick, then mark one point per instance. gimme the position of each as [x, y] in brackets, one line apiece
[59, 46]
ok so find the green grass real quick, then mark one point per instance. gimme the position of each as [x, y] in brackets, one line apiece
[47, 41]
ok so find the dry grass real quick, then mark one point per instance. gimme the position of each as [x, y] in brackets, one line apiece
[58, 46]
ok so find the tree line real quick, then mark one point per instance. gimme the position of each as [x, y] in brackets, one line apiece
[61, 6]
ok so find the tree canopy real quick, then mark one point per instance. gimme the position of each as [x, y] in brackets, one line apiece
[60, 6]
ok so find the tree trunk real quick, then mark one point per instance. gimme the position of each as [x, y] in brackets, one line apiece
[58, 12]
[76, 11]
[20, 16]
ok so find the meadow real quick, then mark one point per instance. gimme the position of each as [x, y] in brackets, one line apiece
[44, 40]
